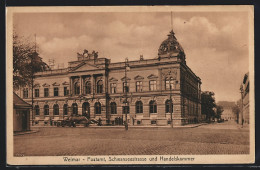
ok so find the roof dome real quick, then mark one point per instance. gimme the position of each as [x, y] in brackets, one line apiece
[170, 46]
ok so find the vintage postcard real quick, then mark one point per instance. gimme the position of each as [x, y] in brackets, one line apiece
[130, 85]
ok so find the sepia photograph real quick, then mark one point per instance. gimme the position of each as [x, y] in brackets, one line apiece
[130, 85]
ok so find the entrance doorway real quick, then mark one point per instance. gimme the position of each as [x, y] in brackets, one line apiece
[24, 120]
[86, 109]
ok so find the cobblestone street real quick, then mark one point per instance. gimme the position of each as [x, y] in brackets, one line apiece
[206, 139]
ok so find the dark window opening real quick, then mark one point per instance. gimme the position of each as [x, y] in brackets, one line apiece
[37, 110]
[65, 109]
[46, 92]
[56, 109]
[77, 88]
[113, 108]
[56, 91]
[139, 107]
[100, 86]
[88, 87]
[153, 106]
[74, 108]
[97, 108]
[37, 93]
[46, 109]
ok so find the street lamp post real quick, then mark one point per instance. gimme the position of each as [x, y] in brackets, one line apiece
[125, 88]
[242, 105]
[171, 104]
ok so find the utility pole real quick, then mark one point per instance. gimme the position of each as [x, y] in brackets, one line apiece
[125, 88]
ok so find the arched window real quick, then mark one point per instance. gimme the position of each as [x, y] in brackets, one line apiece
[86, 109]
[139, 107]
[88, 87]
[37, 110]
[74, 108]
[169, 83]
[46, 109]
[100, 86]
[97, 108]
[113, 108]
[65, 109]
[76, 88]
[56, 109]
[153, 106]
[168, 106]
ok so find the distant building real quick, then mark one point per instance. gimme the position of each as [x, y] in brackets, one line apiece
[21, 114]
[97, 88]
[245, 99]
[227, 114]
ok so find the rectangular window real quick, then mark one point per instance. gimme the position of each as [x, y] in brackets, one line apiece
[66, 91]
[56, 91]
[125, 87]
[46, 92]
[125, 109]
[153, 122]
[152, 85]
[139, 86]
[25, 93]
[113, 87]
[37, 93]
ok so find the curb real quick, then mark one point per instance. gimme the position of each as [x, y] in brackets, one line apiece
[130, 127]
[24, 133]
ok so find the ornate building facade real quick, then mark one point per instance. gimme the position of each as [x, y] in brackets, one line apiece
[151, 91]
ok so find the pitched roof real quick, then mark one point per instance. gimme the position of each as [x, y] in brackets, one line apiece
[20, 103]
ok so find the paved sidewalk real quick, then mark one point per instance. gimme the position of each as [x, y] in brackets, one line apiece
[25, 132]
[130, 126]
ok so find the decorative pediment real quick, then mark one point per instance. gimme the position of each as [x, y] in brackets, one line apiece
[37, 85]
[55, 84]
[169, 73]
[152, 76]
[45, 85]
[65, 83]
[138, 77]
[113, 79]
[125, 78]
[84, 67]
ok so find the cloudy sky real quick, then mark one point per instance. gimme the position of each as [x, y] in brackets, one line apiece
[215, 43]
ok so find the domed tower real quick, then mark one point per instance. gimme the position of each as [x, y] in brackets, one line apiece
[171, 48]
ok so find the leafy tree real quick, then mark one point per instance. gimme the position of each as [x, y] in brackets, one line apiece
[219, 110]
[26, 62]
[236, 111]
[208, 104]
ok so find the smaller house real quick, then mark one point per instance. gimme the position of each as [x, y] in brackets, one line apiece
[21, 114]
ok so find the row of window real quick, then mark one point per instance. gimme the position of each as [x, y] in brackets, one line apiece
[97, 108]
[169, 82]
[46, 92]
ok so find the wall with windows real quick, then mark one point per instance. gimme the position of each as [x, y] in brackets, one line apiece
[140, 75]
[51, 86]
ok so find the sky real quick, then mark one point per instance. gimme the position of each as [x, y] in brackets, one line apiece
[215, 43]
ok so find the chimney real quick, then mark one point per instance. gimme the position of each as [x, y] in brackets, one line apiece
[141, 57]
